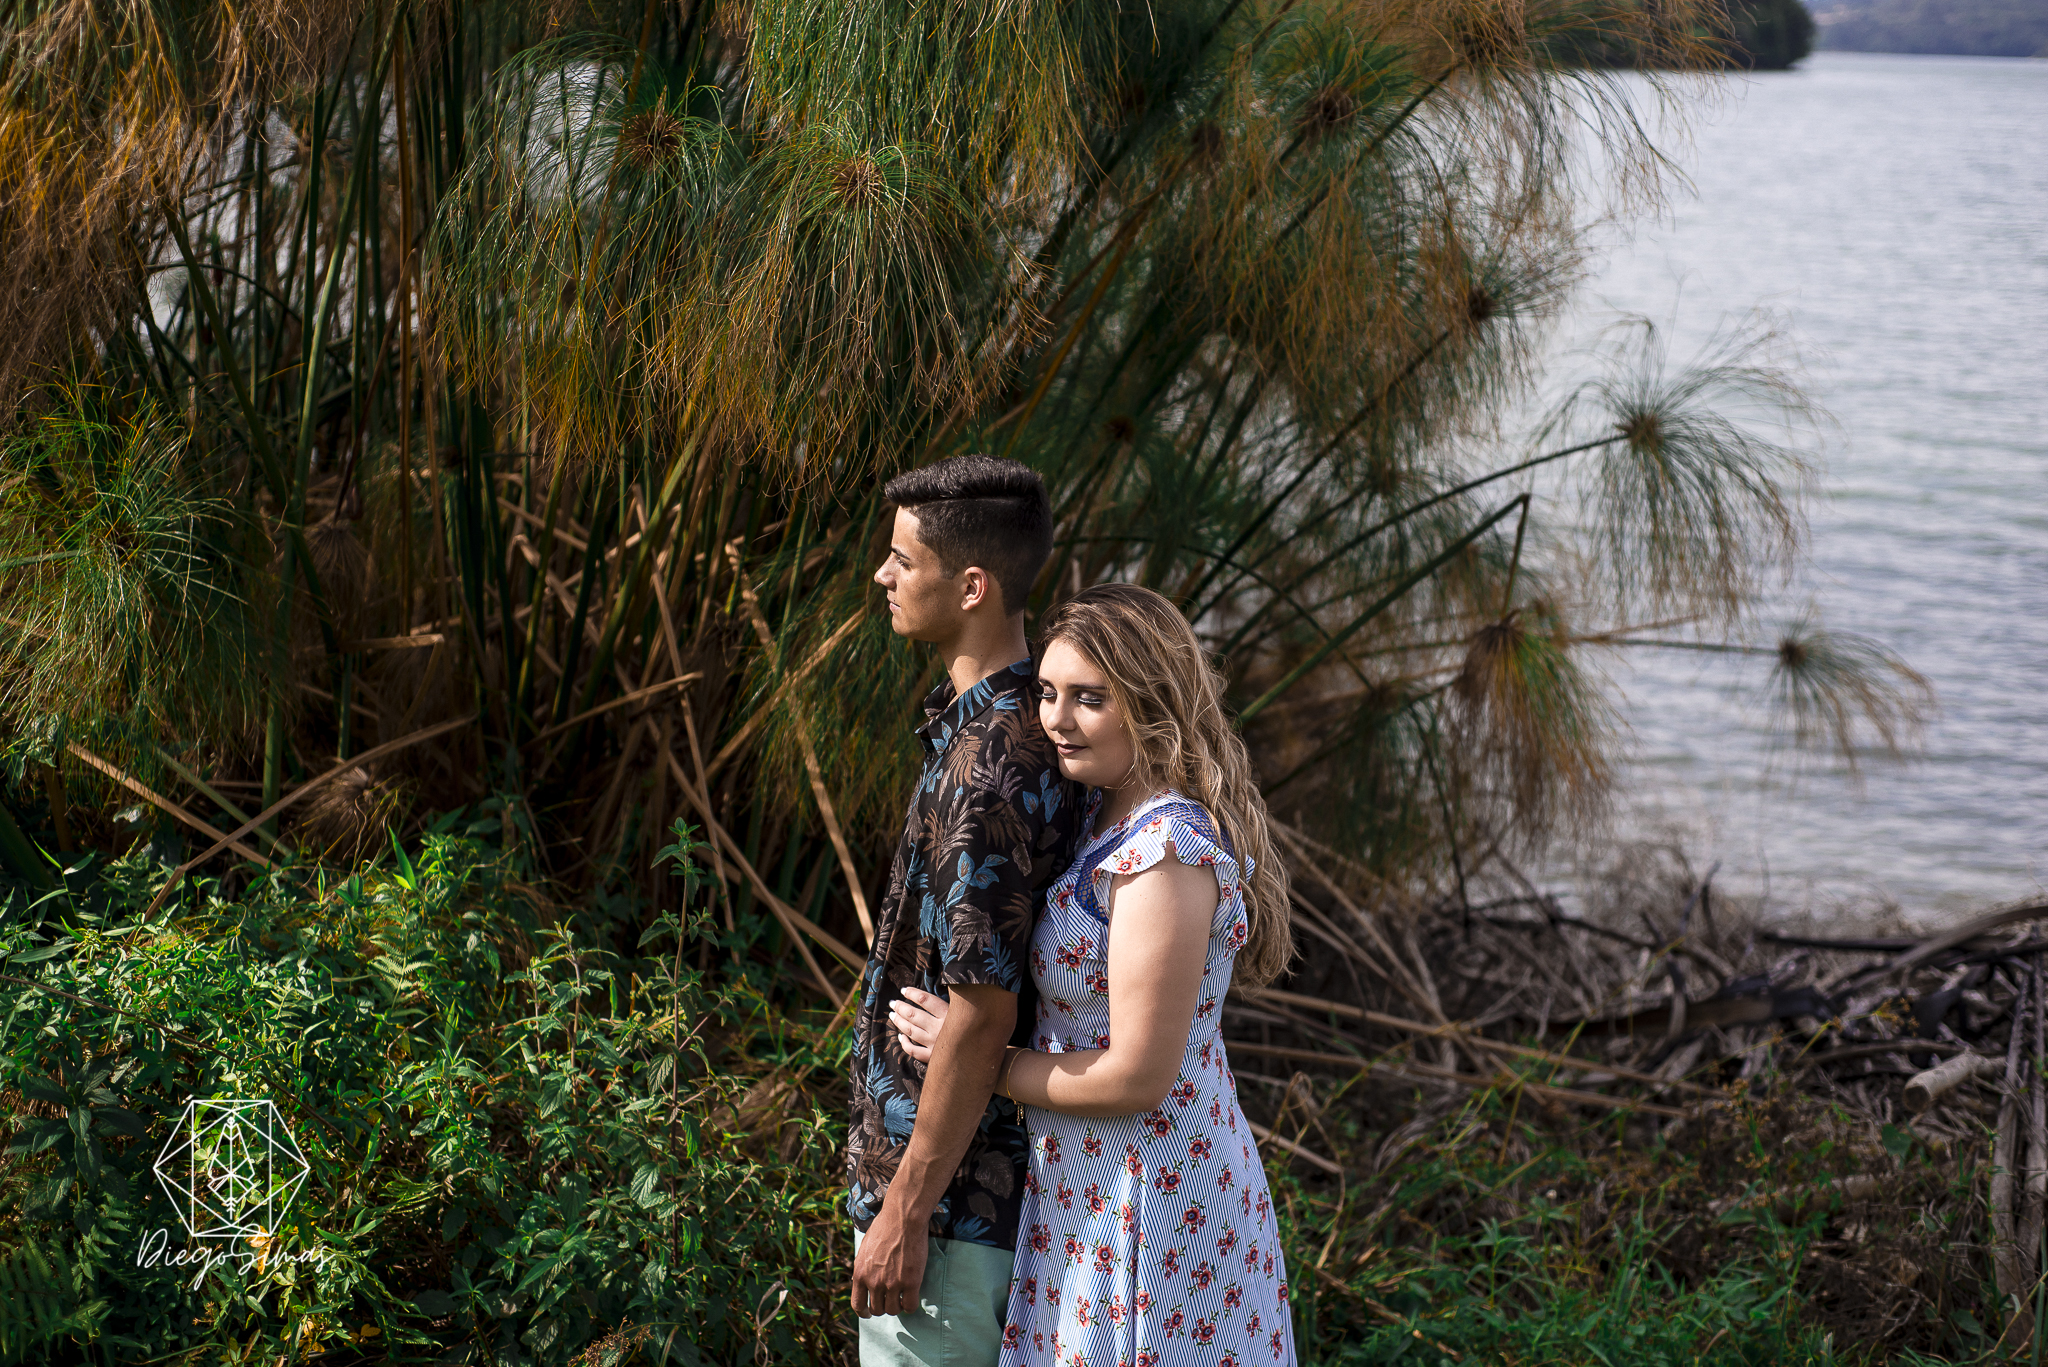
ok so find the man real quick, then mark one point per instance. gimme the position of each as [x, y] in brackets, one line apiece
[935, 1162]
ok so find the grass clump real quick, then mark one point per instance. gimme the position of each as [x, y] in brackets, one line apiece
[1495, 1231]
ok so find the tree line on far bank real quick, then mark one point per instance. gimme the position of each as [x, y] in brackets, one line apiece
[1775, 35]
[1746, 35]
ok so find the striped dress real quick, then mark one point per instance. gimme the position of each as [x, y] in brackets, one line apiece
[1146, 1240]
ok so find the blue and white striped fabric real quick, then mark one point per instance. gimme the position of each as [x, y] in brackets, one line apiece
[1145, 1240]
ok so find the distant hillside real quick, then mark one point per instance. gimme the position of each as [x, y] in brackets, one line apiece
[1961, 28]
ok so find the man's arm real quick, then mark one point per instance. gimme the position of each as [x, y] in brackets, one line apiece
[957, 1084]
[1158, 938]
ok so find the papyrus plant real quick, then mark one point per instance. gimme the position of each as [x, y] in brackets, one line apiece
[559, 355]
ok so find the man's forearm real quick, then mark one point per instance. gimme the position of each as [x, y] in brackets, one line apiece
[957, 1085]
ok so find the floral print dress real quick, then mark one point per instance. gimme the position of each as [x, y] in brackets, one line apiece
[1145, 1240]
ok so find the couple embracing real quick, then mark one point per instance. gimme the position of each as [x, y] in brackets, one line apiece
[1047, 1162]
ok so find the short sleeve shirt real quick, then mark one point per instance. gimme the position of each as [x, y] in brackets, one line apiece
[991, 824]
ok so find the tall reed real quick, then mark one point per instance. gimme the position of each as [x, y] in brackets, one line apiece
[374, 367]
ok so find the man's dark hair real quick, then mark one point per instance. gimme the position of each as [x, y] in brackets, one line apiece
[981, 510]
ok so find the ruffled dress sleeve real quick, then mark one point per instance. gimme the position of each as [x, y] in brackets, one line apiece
[1196, 838]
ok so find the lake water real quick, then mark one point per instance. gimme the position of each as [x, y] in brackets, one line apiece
[1894, 211]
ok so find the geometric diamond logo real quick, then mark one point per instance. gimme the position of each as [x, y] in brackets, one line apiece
[231, 1168]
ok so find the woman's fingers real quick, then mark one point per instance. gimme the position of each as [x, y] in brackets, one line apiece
[916, 1017]
[911, 1029]
[929, 1002]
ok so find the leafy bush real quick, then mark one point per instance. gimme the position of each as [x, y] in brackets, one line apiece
[522, 1146]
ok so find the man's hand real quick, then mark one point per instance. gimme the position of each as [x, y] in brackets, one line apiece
[889, 1268]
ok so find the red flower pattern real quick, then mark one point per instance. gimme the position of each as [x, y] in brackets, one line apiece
[1125, 1301]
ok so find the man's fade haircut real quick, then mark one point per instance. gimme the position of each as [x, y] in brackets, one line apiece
[981, 510]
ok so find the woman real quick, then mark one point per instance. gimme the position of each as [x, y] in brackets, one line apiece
[1148, 1237]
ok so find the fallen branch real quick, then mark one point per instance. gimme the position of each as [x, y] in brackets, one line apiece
[1926, 1088]
[1962, 934]
[1751, 1001]
[1469, 1035]
[299, 794]
[1905, 1044]
[158, 800]
[1266, 1136]
[2008, 1269]
[1537, 1089]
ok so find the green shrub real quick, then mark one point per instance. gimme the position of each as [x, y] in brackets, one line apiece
[513, 1134]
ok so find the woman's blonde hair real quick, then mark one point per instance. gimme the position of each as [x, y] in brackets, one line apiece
[1170, 694]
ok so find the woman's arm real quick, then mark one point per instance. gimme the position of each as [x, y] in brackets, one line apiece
[1158, 940]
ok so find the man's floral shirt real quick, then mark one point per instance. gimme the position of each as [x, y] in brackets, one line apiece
[991, 824]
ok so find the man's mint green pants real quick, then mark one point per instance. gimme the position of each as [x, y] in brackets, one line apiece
[960, 1311]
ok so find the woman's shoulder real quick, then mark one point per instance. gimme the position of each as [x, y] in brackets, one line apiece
[1170, 819]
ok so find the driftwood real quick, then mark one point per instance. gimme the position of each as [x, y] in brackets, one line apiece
[1926, 1088]
[1936, 1083]
[1750, 1001]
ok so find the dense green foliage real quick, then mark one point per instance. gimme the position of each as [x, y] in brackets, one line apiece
[1961, 28]
[519, 1143]
[1754, 35]
[526, 1149]
[1772, 35]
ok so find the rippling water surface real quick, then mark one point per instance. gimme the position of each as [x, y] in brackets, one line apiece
[1895, 211]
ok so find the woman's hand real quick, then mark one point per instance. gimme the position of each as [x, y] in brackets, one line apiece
[916, 1017]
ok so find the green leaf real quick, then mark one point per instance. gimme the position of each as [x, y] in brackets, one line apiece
[435, 1304]
[405, 873]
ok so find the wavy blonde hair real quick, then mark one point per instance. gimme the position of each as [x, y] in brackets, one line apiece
[1171, 697]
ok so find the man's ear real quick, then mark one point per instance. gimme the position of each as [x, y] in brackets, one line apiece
[978, 588]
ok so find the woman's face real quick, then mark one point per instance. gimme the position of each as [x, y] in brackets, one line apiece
[1076, 710]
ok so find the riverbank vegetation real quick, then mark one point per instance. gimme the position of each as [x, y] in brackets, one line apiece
[480, 409]
[526, 1147]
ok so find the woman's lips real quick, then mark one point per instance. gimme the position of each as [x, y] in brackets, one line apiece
[1068, 751]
